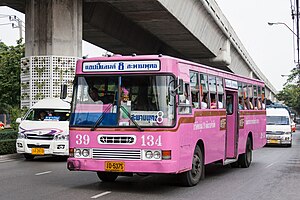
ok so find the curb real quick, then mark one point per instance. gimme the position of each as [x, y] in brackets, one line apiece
[11, 156]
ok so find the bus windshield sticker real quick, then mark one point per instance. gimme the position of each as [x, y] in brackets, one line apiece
[121, 66]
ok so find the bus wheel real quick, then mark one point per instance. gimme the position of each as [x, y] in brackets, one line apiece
[192, 177]
[107, 176]
[246, 158]
[28, 156]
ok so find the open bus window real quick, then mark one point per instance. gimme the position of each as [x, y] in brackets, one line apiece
[184, 101]
[203, 91]
[194, 83]
[240, 94]
[255, 97]
[220, 90]
[250, 97]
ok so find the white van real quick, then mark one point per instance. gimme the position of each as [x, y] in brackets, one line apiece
[44, 130]
[279, 126]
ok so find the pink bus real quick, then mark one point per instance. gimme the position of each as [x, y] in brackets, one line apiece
[159, 114]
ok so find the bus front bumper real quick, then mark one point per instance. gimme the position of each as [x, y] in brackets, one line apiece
[136, 166]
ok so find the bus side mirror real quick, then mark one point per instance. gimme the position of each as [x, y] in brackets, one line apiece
[63, 91]
[180, 87]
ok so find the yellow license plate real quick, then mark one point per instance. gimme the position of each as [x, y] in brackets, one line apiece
[112, 166]
[37, 151]
[274, 141]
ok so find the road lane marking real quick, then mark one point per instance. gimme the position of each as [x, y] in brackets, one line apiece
[100, 195]
[270, 165]
[42, 173]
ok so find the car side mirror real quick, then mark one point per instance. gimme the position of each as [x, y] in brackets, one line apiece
[19, 120]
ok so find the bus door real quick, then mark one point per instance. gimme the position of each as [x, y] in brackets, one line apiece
[232, 124]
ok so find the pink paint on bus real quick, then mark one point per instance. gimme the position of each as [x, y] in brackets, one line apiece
[155, 116]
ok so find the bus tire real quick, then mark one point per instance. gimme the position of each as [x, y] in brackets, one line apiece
[245, 159]
[107, 176]
[193, 176]
[28, 156]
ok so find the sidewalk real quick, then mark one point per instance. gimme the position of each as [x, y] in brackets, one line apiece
[11, 156]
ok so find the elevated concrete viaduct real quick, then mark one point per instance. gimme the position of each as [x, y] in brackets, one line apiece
[191, 29]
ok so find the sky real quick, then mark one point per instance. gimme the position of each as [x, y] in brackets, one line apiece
[270, 47]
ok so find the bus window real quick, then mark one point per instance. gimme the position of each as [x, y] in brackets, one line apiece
[220, 90]
[184, 100]
[240, 94]
[263, 99]
[250, 97]
[255, 103]
[246, 97]
[212, 91]
[204, 91]
[229, 104]
[194, 83]
[259, 106]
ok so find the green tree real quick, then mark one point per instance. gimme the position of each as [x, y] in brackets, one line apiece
[290, 95]
[10, 57]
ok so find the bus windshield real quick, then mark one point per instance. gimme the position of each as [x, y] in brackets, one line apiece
[127, 100]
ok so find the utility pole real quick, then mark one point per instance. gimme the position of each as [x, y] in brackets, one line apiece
[297, 29]
[18, 25]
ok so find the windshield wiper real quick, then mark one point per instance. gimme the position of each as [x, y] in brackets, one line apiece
[133, 120]
[101, 117]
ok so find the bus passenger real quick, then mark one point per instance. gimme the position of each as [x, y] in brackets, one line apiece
[213, 103]
[241, 103]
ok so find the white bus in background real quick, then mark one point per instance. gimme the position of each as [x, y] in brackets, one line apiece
[279, 129]
[44, 130]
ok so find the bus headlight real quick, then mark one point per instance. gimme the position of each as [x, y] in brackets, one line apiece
[151, 154]
[82, 153]
[77, 153]
[85, 153]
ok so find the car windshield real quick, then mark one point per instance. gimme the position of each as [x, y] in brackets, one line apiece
[277, 120]
[48, 115]
[127, 101]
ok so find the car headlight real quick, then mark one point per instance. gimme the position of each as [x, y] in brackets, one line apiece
[61, 137]
[21, 136]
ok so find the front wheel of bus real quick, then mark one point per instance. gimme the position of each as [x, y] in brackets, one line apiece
[192, 177]
[245, 159]
[107, 176]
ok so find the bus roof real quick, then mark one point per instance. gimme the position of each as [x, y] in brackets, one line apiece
[134, 57]
[52, 103]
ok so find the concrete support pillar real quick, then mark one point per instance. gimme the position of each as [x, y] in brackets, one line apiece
[53, 27]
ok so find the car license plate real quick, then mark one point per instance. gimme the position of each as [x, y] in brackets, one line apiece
[274, 141]
[112, 166]
[37, 151]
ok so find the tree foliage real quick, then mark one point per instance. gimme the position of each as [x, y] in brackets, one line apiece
[290, 95]
[10, 57]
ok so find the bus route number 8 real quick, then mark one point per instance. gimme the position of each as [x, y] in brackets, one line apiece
[82, 139]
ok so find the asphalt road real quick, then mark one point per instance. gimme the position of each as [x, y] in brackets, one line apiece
[274, 174]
